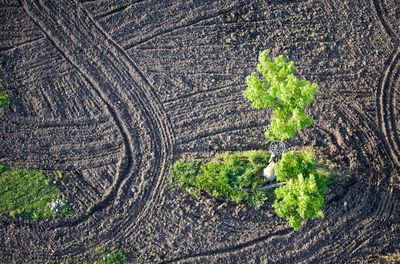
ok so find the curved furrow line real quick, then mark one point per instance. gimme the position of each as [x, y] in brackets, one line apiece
[384, 107]
[200, 93]
[378, 208]
[40, 122]
[197, 112]
[59, 136]
[161, 122]
[78, 139]
[381, 15]
[360, 231]
[116, 10]
[218, 131]
[237, 247]
[74, 33]
[67, 164]
[67, 145]
[194, 109]
[365, 126]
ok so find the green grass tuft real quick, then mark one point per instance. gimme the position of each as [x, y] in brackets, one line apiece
[235, 176]
[117, 257]
[28, 194]
[5, 100]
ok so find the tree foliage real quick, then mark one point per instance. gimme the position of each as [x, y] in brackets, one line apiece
[279, 88]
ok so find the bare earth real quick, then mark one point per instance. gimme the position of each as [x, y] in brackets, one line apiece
[114, 91]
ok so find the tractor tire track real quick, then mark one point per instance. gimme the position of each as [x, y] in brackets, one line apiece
[80, 40]
[385, 106]
[233, 248]
[382, 18]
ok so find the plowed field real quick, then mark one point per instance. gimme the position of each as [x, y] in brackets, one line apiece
[114, 91]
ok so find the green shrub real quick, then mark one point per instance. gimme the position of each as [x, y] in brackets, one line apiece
[294, 163]
[280, 89]
[302, 198]
[5, 100]
[232, 175]
[28, 194]
[118, 257]
[184, 173]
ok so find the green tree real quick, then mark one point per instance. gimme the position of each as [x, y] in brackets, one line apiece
[280, 89]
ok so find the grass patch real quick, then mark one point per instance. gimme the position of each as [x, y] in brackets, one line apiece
[5, 100]
[28, 194]
[106, 257]
[235, 176]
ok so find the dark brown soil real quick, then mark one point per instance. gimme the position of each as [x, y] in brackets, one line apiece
[114, 91]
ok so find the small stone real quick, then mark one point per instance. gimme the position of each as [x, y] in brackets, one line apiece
[345, 204]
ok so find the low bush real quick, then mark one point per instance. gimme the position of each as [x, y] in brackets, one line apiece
[294, 163]
[5, 100]
[303, 197]
[117, 257]
[233, 175]
[300, 200]
[28, 194]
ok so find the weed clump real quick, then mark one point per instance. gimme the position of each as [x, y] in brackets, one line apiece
[117, 257]
[5, 100]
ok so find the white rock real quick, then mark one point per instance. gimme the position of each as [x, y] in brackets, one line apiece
[269, 172]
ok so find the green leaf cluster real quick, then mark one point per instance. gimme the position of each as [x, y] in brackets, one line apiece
[299, 200]
[294, 163]
[232, 175]
[27, 194]
[279, 88]
[302, 198]
[117, 257]
[5, 100]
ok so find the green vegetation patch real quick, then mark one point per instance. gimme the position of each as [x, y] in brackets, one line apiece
[303, 197]
[5, 100]
[29, 194]
[276, 85]
[106, 257]
[236, 176]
